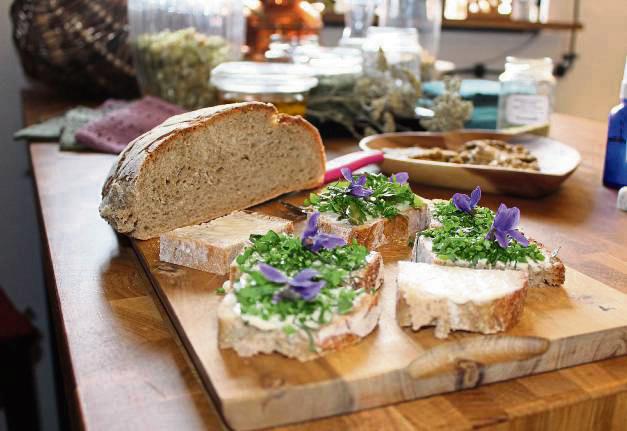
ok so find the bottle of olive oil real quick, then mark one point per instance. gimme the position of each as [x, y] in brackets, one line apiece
[615, 171]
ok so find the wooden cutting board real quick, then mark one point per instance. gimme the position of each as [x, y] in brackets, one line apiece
[583, 322]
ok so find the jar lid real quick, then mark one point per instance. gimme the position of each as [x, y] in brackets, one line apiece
[259, 78]
[544, 61]
[544, 64]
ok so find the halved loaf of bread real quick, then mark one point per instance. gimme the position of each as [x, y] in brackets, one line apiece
[375, 233]
[212, 246]
[454, 298]
[204, 164]
[549, 272]
[250, 337]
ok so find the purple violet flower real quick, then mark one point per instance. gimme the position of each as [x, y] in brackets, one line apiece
[300, 286]
[399, 177]
[504, 225]
[356, 187]
[467, 203]
[314, 240]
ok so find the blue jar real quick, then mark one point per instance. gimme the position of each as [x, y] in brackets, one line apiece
[615, 170]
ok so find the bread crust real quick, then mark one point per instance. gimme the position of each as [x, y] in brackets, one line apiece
[342, 331]
[487, 317]
[120, 192]
[375, 233]
[181, 248]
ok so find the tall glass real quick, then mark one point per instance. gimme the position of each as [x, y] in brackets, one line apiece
[399, 45]
[358, 18]
[423, 15]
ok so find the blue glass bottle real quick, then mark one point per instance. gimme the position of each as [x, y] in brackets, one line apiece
[615, 171]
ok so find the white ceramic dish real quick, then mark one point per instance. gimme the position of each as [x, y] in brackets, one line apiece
[557, 162]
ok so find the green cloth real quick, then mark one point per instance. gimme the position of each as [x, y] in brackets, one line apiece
[48, 130]
[74, 120]
[63, 128]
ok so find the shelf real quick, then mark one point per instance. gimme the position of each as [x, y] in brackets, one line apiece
[335, 19]
[508, 25]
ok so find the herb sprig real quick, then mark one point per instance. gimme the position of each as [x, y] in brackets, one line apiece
[335, 266]
[462, 237]
[385, 200]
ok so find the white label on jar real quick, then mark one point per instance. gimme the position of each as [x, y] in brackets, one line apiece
[527, 109]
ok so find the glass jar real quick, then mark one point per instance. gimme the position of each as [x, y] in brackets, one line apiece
[423, 15]
[330, 61]
[283, 84]
[176, 44]
[358, 17]
[399, 45]
[527, 92]
[293, 20]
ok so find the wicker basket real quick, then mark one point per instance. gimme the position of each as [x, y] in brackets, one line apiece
[80, 45]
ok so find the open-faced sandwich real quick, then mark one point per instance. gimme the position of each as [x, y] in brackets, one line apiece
[371, 209]
[456, 298]
[301, 297]
[462, 233]
[471, 269]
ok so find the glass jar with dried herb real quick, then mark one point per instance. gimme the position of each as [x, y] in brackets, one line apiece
[176, 44]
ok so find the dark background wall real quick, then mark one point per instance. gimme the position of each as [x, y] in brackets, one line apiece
[21, 274]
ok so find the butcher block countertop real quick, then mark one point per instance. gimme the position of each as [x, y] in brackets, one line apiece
[124, 367]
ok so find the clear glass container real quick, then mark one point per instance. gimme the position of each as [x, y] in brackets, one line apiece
[283, 84]
[527, 92]
[456, 9]
[292, 20]
[399, 45]
[424, 15]
[176, 44]
[329, 61]
[358, 17]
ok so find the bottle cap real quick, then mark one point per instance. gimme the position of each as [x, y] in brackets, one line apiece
[623, 87]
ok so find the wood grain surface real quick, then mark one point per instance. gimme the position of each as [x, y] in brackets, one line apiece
[124, 367]
[583, 322]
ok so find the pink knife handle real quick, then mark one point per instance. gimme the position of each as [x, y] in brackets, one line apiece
[353, 161]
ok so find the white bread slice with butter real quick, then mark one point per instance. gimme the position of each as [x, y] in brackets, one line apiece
[253, 336]
[454, 298]
[377, 232]
[204, 164]
[549, 272]
[212, 246]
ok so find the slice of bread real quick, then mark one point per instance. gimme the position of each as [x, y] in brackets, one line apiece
[250, 337]
[212, 246]
[454, 298]
[549, 272]
[377, 232]
[205, 164]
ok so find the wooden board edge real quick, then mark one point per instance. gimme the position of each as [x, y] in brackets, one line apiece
[385, 389]
[399, 386]
[182, 337]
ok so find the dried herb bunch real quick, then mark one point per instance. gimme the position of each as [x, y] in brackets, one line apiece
[450, 111]
[176, 65]
[369, 103]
